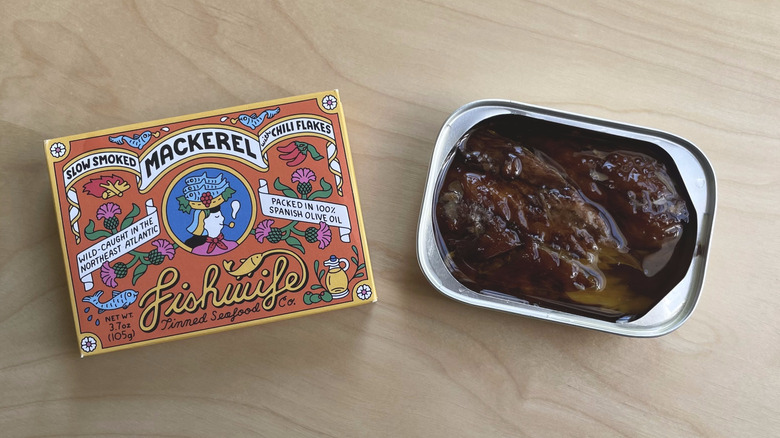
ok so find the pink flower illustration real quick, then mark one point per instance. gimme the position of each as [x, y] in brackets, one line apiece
[303, 175]
[108, 275]
[165, 248]
[323, 235]
[263, 230]
[108, 210]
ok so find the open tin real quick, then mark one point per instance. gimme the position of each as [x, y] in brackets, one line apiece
[697, 177]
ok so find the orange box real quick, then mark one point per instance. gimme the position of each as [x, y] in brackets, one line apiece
[208, 222]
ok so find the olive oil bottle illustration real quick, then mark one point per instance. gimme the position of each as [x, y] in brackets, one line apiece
[336, 280]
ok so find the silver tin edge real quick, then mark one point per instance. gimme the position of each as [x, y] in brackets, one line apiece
[699, 179]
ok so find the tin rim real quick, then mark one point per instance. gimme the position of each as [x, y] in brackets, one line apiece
[698, 177]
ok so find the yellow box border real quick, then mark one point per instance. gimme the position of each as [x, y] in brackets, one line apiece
[50, 161]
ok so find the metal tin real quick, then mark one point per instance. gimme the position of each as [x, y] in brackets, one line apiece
[697, 175]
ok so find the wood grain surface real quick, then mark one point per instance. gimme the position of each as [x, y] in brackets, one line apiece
[415, 363]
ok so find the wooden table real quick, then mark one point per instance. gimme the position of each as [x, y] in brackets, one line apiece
[415, 363]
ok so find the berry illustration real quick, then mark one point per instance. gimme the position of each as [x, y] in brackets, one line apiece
[120, 269]
[206, 198]
[274, 235]
[311, 234]
[304, 188]
[155, 257]
[111, 223]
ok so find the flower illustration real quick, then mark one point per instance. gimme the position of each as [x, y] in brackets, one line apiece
[323, 235]
[108, 275]
[108, 210]
[329, 102]
[263, 230]
[57, 150]
[165, 248]
[88, 344]
[364, 291]
[303, 175]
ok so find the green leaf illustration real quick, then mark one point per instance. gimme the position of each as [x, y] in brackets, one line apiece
[227, 193]
[138, 272]
[295, 243]
[91, 234]
[184, 204]
[326, 296]
[316, 266]
[326, 191]
[129, 218]
[354, 249]
[360, 266]
[354, 261]
[313, 151]
[320, 274]
[358, 275]
[290, 193]
[316, 286]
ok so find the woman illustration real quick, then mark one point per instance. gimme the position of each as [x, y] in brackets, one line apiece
[203, 198]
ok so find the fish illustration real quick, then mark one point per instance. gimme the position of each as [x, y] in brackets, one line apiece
[247, 267]
[118, 299]
[254, 120]
[137, 141]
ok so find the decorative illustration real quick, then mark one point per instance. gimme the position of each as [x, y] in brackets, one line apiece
[88, 344]
[283, 207]
[89, 317]
[119, 300]
[363, 292]
[203, 196]
[57, 150]
[213, 212]
[254, 120]
[106, 186]
[335, 167]
[296, 152]
[74, 213]
[162, 249]
[120, 237]
[247, 267]
[137, 141]
[108, 212]
[336, 279]
[110, 273]
[308, 209]
[329, 102]
[155, 231]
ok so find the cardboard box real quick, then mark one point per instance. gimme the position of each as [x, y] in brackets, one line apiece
[208, 222]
